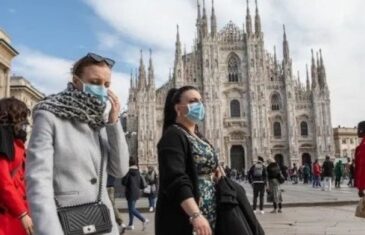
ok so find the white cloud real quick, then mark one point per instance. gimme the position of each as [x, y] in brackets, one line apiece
[336, 26]
[50, 74]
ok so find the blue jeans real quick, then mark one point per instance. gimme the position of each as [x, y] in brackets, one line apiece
[316, 181]
[152, 200]
[134, 212]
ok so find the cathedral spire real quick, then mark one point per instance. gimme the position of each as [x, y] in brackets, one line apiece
[248, 20]
[142, 73]
[151, 75]
[213, 22]
[285, 47]
[275, 58]
[322, 70]
[313, 71]
[204, 21]
[257, 20]
[177, 45]
[131, 81]
[307, 73]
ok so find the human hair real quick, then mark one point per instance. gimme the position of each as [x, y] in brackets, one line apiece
[78, 67]
[327, 157]
[13, 112]
[173, 97]
[361, 129]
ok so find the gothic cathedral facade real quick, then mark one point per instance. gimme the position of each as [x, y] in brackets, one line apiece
[255, 104]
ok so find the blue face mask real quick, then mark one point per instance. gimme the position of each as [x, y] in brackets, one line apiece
[98, 91]
[196, 112]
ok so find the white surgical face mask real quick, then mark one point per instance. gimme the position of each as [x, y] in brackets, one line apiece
[107, 110]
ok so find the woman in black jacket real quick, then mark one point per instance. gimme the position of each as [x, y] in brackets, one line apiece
[134, 183]
[275, 177]
[187, 166]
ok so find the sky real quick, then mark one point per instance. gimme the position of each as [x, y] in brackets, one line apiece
[51, 35]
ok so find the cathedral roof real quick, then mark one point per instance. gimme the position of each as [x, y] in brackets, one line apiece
[231, 33]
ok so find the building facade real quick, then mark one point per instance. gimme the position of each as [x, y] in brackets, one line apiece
[7, 53]
[255, 104]
[346, 141]
[23, 90]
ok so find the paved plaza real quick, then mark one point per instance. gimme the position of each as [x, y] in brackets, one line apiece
[307, 211]
[297, 221]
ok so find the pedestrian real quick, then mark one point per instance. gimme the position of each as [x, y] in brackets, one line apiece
[360, 161]
[327, 174]
[77, 140]
[134, 183]
[351, 173]
[306, 173]
[14, 213]
[295, 174]
[188, 168]
[151, 180]
[110, 186]
[275, 178]
[316, 174]
[257, 177]
[338, 173]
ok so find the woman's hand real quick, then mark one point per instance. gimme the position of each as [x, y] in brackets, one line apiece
[115, 110]
[201, 226]
[218, 174]
[27, 224]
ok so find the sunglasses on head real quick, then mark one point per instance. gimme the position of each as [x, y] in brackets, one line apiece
[99, 58]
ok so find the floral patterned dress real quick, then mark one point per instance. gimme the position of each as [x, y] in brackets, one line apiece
[206, 161]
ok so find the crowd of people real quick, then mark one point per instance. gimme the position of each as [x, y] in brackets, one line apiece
[64, 181]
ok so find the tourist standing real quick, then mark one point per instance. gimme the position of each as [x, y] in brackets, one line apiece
[316, 174]
[151, 180]
[339, 171]
[360, 160]
[275, 178]
[257, 177]
[306, 173]
[294, 172]
[327, 174]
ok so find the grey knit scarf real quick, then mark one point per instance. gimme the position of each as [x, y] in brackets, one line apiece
[75, 105]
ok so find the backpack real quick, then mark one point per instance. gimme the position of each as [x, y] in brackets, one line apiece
[258, 171]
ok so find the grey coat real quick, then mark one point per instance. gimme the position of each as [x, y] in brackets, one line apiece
[63, 163]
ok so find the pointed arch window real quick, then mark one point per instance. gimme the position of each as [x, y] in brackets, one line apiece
[233, 68]
[275, 102]
[235, 109]
[304, 128]
[277, 130]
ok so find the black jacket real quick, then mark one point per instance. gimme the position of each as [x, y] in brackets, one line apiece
[327, 168]
[178, 182]
[257, 179]
[133, 183]
[234, 212]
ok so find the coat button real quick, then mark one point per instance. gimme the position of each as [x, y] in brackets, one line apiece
[93, 181]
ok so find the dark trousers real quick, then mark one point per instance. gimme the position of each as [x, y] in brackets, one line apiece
[258, 190]
[276, 205]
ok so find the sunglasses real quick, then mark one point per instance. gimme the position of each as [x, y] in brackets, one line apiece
[99, 58]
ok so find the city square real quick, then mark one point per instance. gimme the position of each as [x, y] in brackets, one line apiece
[182, 107]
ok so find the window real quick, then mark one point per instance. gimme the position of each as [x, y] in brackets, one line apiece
[277, 129]
[344, 153]
[275, 102]
[235, 108]
[351, 140]
[304, 129]
[233, 69]
[344, 141]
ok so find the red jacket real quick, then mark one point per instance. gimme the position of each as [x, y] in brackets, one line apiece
[12, 191]
[316, 169]
[360, 166]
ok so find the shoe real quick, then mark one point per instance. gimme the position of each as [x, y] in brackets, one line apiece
[262, 212]
[122, 228]
[130, 227]
[273, 212]
[279, 211]
[145, 223]
[254, 211]
[151, 209]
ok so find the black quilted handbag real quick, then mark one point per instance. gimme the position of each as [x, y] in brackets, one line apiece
[88, 218]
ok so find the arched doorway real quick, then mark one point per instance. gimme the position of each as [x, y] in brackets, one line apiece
[306, 159]
[279, 159]
[237, 157]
